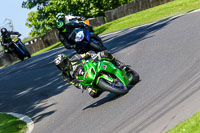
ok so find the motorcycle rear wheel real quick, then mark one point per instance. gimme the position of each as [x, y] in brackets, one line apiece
[97, 47]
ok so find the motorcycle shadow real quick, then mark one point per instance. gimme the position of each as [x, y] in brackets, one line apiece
[110, 97]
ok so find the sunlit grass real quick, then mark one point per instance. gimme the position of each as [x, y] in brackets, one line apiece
[10, 124]
[150, 15]
[191, 125]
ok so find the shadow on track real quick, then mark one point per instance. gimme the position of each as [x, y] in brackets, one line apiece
[110, 97]
[30, 83]
[129, 37]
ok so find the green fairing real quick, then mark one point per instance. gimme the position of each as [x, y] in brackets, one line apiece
[94, 71]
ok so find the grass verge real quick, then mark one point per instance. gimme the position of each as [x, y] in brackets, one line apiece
[191, 125]
[150, 15]
[10, 124]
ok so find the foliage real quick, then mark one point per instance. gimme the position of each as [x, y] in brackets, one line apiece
[10, 124]
[43, 20]
[29, 4]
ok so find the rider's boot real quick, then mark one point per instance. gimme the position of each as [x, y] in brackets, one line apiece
[121, 65]
[94, 93]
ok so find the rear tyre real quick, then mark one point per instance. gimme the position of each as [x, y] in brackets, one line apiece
[97, 47]
[118, 89]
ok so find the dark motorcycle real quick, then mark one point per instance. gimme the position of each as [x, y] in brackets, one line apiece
[17, 48]
[85, 41]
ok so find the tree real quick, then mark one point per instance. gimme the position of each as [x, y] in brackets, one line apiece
[43, 20]
[29, 4]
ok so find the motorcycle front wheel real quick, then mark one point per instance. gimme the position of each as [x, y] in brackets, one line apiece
[20, 56]
[117, 87]
[27, 52]
[136, 77]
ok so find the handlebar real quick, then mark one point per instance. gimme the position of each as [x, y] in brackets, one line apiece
[19, 35]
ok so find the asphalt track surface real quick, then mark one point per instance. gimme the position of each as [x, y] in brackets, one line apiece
[166, 54]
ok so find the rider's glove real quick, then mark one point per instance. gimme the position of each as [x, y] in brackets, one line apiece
[6, 44]
[72, 46]
[82, 18]
[95, 57]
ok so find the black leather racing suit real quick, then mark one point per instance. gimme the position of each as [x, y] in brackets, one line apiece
[64, 34]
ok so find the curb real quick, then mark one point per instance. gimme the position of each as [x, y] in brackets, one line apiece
[26, 119]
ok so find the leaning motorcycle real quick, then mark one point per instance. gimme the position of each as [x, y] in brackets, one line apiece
[103, 76]
[17, 48]
[85, 42]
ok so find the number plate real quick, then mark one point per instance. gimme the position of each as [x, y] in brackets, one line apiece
[15, 39]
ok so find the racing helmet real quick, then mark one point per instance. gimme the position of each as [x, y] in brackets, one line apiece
[4, 31]
[62, 62]
[60, 16]
[60, 21]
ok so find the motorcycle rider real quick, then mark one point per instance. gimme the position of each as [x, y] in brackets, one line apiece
[73, 67]
[66, 27]
[6, 38]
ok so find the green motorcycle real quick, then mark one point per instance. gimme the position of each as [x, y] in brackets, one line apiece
[104, 76]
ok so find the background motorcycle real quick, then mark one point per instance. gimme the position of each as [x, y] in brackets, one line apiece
[17, 48]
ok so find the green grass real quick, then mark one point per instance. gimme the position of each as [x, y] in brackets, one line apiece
[10, 124]
[150, 15]
[191, 125]
[59, 44]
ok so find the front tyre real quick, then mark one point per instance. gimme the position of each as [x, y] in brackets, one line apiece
[27, 52]
[116, 87]
[20, 56]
